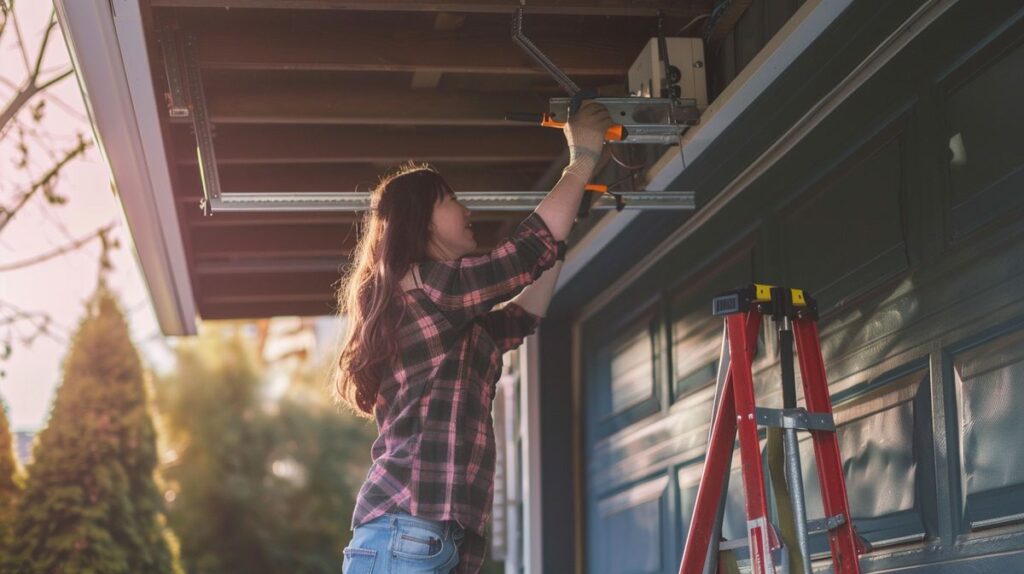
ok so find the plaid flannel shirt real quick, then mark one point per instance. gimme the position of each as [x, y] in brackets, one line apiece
[434, 456]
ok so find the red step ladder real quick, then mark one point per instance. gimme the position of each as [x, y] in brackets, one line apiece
[735, 411]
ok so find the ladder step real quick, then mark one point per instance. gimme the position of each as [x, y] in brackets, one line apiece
[743, 542]
[797, 418]
[740, 549]
[733, 544]
[825, 524]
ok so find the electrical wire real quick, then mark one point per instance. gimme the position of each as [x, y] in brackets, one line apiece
[620, 181]
[615, 158]
[692, 22]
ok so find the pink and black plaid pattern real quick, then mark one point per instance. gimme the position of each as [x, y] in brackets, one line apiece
[434, 456]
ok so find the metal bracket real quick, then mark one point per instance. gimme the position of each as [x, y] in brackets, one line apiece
[202, 127]
[645, 120]
[167, 37]
[797, 418]
[535, 54]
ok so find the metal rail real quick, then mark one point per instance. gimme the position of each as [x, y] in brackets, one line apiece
[483, 200]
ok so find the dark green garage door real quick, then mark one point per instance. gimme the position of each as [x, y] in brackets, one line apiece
[903, 213]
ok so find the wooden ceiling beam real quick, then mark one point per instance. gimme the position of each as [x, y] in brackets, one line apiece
[551, 7]
[449, 52]
[349, 177]
[290, 100]
[316, 285]
[285, 239]
[278, 241]
[276, 144]
[265, 307]
[195, 219]
[253, 269]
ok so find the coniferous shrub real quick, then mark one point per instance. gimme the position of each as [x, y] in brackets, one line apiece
[91, 503]
[11, 483]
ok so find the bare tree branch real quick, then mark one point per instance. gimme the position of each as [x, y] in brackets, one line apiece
[44, 183]
[20, 99]
[32, 85]
[40, 322]
[6, 9]
[73, 246]
[56, 79]
[66, 107]
[42, 49]
[21, 42]
[18, 326]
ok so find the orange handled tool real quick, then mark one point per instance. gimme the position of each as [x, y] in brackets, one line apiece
[588, 200]
[615, 133]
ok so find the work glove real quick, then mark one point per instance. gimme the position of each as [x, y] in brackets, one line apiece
[584, 133]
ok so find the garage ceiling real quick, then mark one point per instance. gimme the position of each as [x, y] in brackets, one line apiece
[326, 95]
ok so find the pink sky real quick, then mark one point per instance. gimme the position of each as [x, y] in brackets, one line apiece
[59, 286]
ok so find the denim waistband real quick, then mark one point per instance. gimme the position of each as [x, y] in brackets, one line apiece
[443, 529]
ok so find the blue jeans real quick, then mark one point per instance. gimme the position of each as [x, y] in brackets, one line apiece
[399, 543]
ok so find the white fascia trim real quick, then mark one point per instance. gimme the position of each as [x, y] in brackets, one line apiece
[799, 32]
[107, 46]
[922, 18]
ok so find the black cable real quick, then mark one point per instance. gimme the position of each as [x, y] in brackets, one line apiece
[611, 151]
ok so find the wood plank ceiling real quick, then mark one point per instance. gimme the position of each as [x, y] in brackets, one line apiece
[327, 95]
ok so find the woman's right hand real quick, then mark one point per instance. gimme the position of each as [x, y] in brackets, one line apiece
[586, 128]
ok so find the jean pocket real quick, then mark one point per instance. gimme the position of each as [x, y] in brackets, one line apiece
[417, 543]
[358, 560]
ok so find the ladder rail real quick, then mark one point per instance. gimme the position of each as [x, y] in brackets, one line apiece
[843, 541]
[711, 562]
[759, 534]
[736, 415]
[716, 465]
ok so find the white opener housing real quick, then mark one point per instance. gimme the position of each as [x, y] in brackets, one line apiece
[686, 54]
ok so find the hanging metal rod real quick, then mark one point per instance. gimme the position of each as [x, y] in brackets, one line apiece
[482, 200]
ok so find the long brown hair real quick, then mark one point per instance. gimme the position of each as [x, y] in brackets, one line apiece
[395, 232]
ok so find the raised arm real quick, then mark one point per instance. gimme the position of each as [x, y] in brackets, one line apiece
[470, 286]
[536, 297]
[585, 134]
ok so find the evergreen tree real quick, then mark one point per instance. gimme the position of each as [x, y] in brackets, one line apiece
[91, 504]
[11, 483]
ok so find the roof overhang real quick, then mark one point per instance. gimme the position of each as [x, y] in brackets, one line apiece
[799, 32]
[282, 118]
[596, 294]
[108, 50]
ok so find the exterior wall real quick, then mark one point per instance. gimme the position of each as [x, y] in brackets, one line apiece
[903, 213]
[759, 22]
[517, 537]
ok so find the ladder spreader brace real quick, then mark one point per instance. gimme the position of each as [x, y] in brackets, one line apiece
[735, 413]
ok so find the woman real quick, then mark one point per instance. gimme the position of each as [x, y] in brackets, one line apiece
[423, 354]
